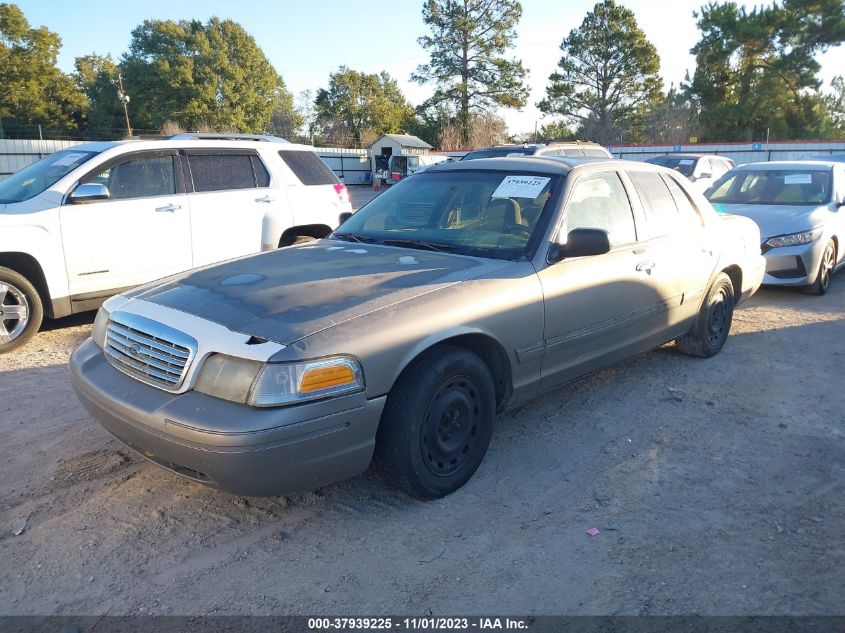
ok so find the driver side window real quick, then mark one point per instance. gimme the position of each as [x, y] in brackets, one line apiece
[599, 201]
[138, 177]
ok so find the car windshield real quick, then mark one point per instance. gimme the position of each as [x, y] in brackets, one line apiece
[498, 152]
[772, 186]
[683, 165]
[40, 175]
[482, 213]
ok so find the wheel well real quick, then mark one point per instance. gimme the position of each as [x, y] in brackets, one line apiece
[306, 230]
[493, 356]
[835, 247]
[735, 274]
[28, 266]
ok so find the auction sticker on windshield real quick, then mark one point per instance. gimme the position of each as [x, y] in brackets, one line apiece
[68, 159]
[798, 179]
[520, 187]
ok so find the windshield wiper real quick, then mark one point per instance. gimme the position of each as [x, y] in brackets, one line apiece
[421, 244]
[354, 237]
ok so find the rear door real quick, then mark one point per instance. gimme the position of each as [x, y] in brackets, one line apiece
[676, 246]
[229, 196]
[598, 309]
[141, 233]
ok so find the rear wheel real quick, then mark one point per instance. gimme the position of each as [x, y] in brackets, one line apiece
[21, 311]
[712, 325]
[437, 423]
[825, 272]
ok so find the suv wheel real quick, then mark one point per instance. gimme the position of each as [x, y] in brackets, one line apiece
[21, 311]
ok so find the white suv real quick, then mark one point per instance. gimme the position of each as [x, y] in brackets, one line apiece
[82, 224]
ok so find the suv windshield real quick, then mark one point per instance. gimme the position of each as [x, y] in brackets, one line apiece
[483, 213]
[683, 165]
[772, 186]
[40, 175]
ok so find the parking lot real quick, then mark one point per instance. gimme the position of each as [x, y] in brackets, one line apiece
[717, 487]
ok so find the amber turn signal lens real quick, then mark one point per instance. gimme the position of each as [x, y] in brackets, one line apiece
[319, 378]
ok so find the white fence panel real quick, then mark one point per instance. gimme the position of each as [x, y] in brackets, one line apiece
[739, 152]
[15, 154]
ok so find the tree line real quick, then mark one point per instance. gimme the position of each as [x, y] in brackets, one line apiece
[756, 77]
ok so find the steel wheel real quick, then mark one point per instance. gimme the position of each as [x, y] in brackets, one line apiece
[450, 427]
[14, 313]
[719, 316]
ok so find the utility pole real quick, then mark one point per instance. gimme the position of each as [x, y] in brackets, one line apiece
[124, 99]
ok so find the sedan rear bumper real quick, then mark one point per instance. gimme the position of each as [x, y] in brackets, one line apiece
[244, 450]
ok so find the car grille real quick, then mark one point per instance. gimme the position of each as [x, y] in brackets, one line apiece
[149, 351]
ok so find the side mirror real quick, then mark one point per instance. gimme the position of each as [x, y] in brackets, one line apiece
[344, 217]
[581, 243]
[89, 192]
[704, 175]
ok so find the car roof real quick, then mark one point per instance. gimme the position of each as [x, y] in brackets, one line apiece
[189, 142]
[786, 164]
[541, 164]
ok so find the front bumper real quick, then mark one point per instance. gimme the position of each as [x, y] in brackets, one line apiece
[244, 450]
[794, 265]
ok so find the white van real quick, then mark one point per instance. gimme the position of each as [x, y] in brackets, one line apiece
[82, 224]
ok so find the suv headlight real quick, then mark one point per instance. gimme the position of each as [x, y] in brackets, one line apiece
[275, 384]
[100, 328]
[795, 239]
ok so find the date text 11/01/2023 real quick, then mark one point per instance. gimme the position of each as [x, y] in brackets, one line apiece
[416, 624]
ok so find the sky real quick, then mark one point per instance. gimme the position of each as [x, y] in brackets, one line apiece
[305, 41]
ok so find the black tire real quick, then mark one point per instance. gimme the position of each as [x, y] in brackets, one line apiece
[20, 299]
[437, 423]
[825, 272]
[712, 325]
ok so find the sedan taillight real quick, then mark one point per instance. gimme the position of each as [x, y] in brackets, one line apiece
[342, 192]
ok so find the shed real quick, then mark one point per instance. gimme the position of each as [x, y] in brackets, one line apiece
[389, 145]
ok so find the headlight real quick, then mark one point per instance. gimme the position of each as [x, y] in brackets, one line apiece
[271, 385]
[101, 325]
[795, 239]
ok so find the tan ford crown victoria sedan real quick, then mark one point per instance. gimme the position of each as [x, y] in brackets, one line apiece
[462, 290]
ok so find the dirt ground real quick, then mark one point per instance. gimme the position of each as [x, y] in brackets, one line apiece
[718, 487]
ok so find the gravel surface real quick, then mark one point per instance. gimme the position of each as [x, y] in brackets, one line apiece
[717, 487]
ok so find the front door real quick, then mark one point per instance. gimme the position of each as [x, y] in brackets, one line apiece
[140, 234]
[600, 308]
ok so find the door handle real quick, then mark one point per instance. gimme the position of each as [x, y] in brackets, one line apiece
[645, 266]
[265, 199]
[170, 208]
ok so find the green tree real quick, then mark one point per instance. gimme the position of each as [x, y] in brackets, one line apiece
[32, 88]
[607, 74]
[359, 102]
[96, 78]
[756, 70]
[555, 130]
[197, 74]
[836, 105]
[467, 45]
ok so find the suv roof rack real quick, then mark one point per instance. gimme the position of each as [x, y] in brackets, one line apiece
[212, 136]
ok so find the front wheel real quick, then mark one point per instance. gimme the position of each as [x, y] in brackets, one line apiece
[437, 423]
[825, 272]
[712, 325]
[21, 311]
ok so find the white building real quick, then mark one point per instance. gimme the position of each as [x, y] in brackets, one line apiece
[395, 144]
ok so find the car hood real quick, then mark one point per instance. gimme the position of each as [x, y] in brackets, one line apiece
[778, 219]
[291, 293]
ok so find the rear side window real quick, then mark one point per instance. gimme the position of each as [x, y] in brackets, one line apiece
[687, 211]
[595, 153]
[658, 203]
[308, 167]
[221, 172]
[262, 176]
